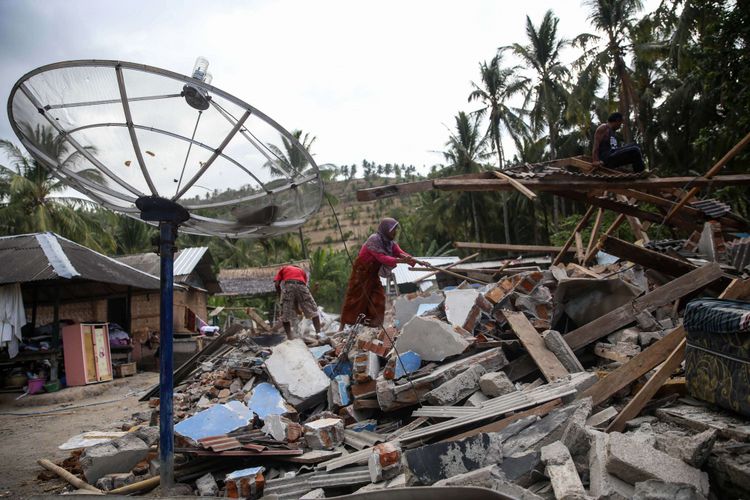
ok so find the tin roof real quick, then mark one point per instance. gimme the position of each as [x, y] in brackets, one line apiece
[253, 281]
[186, 261]
[403, 275]
[39, 257]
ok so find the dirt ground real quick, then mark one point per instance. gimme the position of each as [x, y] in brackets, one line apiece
[28, 432]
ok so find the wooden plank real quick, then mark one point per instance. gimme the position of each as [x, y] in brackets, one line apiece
[548, 364]
[503, 247]
[580, 254]
[635, 405]
[594, 232]
[465, 259]
[380, 192]
[653, 355]
[538, 411]
[624, 315]
[517, 185]
[258, 319]
[557, 184]
[710, 174]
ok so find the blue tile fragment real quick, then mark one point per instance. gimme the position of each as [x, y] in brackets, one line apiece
[423, 308]
[342, 383]
[319, 351]
[342, 368]
[265, 399]
[215, 421]
[408, 362]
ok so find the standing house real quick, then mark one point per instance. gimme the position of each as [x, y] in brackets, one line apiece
[61, 279]
[194, 278]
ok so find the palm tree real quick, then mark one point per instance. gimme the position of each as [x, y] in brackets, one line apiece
[497, 86]
[548, 92]
[291, 156]
[33, 200]
[614, 18]
[465, 150]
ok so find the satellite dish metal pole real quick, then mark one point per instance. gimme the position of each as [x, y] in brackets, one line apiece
[173, 151]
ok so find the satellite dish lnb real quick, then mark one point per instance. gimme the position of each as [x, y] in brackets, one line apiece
[140, 131]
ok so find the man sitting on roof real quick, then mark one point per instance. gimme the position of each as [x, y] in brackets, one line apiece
[606, 151]
[291, 286]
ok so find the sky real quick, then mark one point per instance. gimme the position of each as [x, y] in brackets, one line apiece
[378, 80]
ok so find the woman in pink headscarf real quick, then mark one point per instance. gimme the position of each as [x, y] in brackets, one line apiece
[377, 257]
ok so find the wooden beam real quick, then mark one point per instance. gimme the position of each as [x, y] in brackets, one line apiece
[548, 364]
[635, 405]
[625, 314]
[503, 247]
[580, 254]
[538, 411]
[528, 193]
[611, 229]
[652, 355]
[581, 224]
[594, 232]
[465, 259]
[557, 184]
[710, 174]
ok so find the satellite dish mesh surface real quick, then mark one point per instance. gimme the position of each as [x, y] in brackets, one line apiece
[137, 131]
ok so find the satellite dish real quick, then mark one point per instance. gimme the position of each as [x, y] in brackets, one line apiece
[173, 150]
[142, 131]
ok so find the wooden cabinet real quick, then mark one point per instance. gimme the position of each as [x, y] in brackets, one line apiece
[87, 356]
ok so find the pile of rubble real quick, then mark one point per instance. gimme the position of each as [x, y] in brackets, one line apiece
[466, 387]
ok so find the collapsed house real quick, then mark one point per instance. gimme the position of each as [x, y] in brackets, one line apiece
[564, 378]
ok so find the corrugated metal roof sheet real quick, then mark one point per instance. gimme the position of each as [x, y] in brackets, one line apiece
[253, 281]
[403, 275]
[187, 259]
[45, 256]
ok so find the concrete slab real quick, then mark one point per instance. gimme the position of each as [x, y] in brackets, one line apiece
[457, 388]
[295, 372]
[432, 339]
[458, 304]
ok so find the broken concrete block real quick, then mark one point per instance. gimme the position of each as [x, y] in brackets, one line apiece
[660, 490]
[457, 388]
[314, 494]
[634, 462]
[548, 430]
[385, 462]
[296, 373]
[693, 450]
[282, 429]
[122, 479]
[406, 306]
[492, 478]
[399, 366]
[432, 339]
[645, 339]
[118, 455]
[148, 434]
[105, 483]
[365, 366]
[235, 386]
[602, 484]
[338, 393]
[644, 434]
[458, 304]
[562, 351]
[496, 384]
[433, 462]
[627, 335]
[561, 471]
[602, 417]
[476, 399]
[621, 352]
[575, 436]
[324, 434]
[206, 485]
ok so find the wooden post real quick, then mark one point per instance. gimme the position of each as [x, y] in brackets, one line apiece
[581, 224]
[620, 218]
[78, 483]
[594, 231]
[465, 259]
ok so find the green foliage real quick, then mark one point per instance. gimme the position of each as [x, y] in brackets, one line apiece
[329, 275]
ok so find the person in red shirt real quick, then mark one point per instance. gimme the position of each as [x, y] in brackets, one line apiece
[377, 257]
[291, 287]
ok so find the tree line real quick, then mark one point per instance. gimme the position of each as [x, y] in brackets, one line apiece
[678, 74]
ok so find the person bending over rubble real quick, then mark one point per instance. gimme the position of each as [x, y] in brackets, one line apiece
[606, 151]
[377, 257]
[291, 286]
